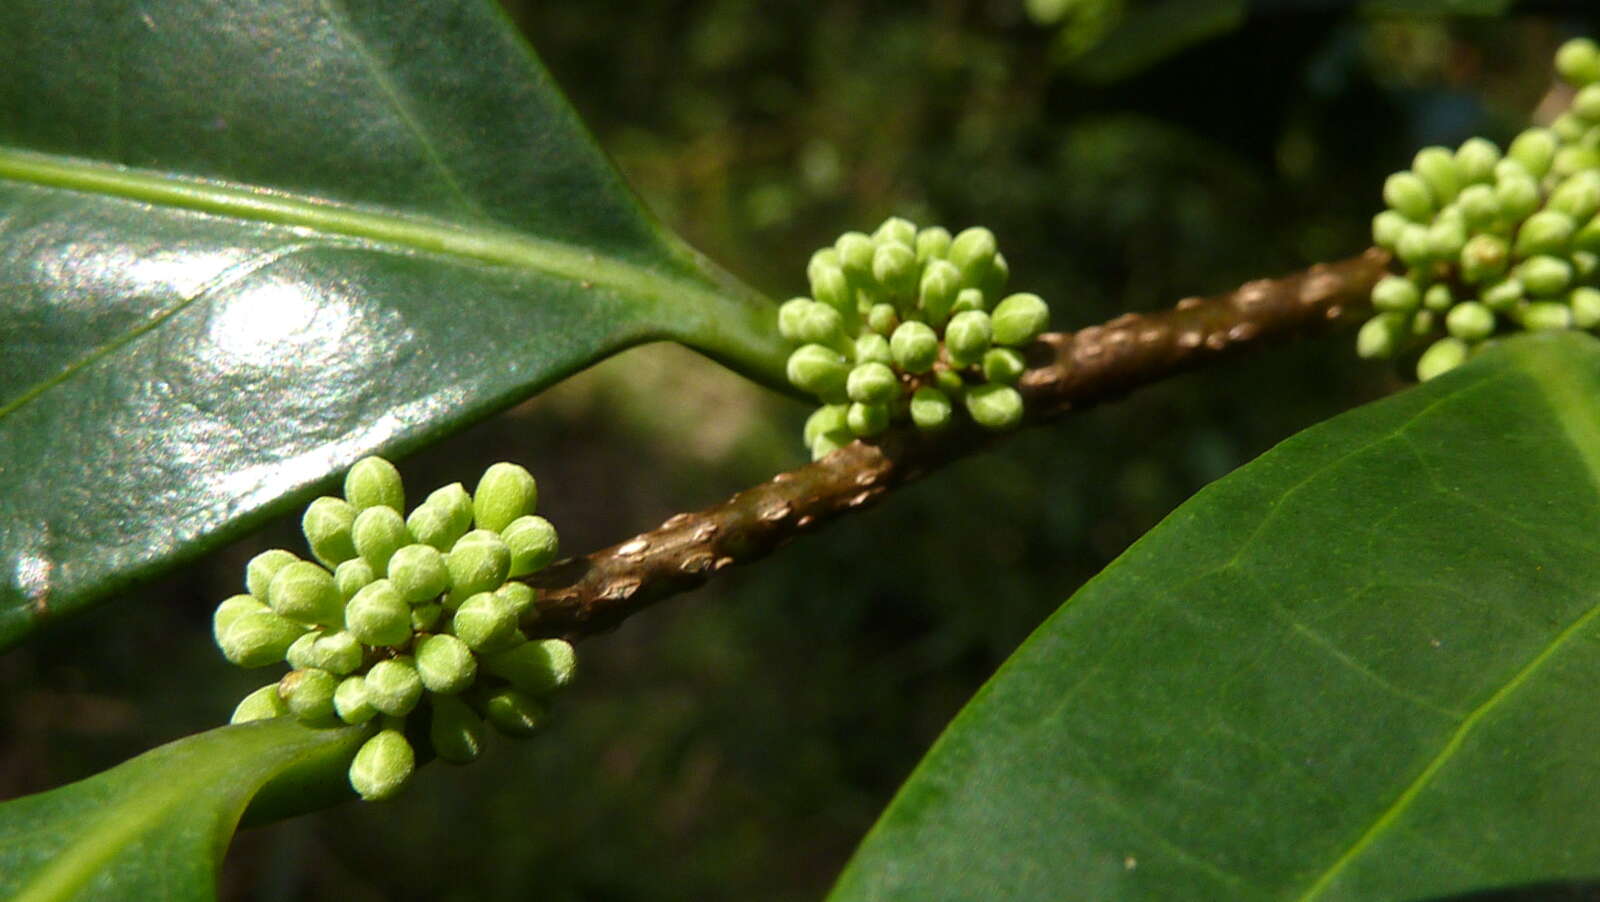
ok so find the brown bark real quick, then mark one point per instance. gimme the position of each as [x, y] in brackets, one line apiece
[1068, 370]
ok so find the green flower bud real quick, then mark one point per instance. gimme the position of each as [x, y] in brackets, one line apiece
[457, 732]
[1545, 232]
[259, 639]
[479, 562]
[418, 573]
[914, 346]
[883, 318]
[231, 609]
[537, 667]
[855, 255]
[1587, 238]
[262, 704]
[378, 615]
[873, 383]
[1569, 128]
[309, 694]
[262, 568]
[894, 266]
[394, 686]
[1381, 336]
[326, 525]
[338, 653]
[1470, 321]
[790, 313]
[1003, 365]
[1407, 193]
[351, 703]
[1438, 298]
[1585, 304]
[1574, 159]
[1503, 296]
[1446, 239]
[486, 623]
[949, 382]
[350, 576]
[972, 252]
[382, 766]
[520, 597]
[1585, 266]
[445, 663]
[827, 418]
[1386, 228]
[999, 275]
[824, 258]
[967, 337]
[1518, 195]
[1578, 61]
[829, 442]
[374, 482]
[379, 532]
[1479, 207]
[441, 524]
[1415, 248]
[1484, 257]
[1476, 159]
[830, 286]
[1019, 319]
[1436, 166]
[1544, 276]
[941, 282]
[1544, 316]
[994, 406]
[533, 543]
[1579, 195]
[898, 230]
[873, 348]
[1535, 149]
[1422, 322]
[1396, 293]
[867, 420]
[299, 653]
[1441, 357]
[304, 591]
[933, 243]
[813, 323]
[514, 713]
[968, 299]
[424, 617]
[508, 491]
[930, 409]
[819, 371]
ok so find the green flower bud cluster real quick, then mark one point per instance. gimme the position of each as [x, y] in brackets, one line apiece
[1494, 242]
[905, 324]
[399, 615]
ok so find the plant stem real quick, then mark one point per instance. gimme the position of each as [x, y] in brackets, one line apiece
[1067, 370]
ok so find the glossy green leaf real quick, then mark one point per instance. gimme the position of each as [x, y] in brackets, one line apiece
[242, 244]
[156, 827]
[1365, 666]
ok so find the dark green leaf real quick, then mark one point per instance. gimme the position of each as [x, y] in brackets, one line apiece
[1362, 667]
[156, 827]
[242, 244]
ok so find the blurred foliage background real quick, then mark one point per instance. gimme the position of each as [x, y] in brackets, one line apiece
[737, 742]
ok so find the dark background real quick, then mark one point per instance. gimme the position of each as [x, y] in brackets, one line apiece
[737, 742]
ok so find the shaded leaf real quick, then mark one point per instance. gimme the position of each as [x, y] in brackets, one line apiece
[243, 244]
[1361, 667]
[156, 827]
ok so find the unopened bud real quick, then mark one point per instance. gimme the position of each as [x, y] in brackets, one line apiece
[486, 623]
[994, 406]
[351, 703]
[1470, 321]
[374, 482]
[445, 664]
[514, 713]
[533, 544]
[326, 524]
[1442, 356]
[383, 766]
[914, 346]
[262, 704]
[259, 639]
[309, 694]
[393, 686]
[379, 532]
[1003, 365]
[479, 562]
[932, 243]
[930, 409]
[263, 567]
[378, 615]
[305, 592]
[967, 337]
[350, 576]
[520, 597]
[231, 609]
[818, 370]
[1476, 159]
[1019, 319]
[456, 732]
[538, 667]
[418, 573]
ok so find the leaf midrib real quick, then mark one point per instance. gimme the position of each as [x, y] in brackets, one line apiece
[1575, 415]
[404, 231]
